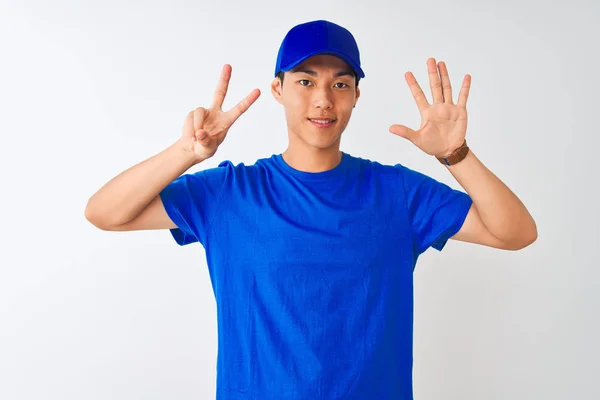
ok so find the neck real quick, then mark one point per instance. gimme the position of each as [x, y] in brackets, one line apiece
[311, 159]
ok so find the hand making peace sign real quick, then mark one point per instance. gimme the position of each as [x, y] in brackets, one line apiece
[205, 129]
[443, 123]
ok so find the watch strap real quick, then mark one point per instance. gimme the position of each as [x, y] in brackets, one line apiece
[457, 155]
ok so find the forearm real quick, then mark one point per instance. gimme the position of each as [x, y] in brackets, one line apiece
[501, 211]
[126, 195]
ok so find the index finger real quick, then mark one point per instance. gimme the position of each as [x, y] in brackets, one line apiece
[416, 91]
[243, 105]
[222, 86]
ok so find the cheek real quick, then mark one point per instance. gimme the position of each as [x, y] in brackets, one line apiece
[295, 106]
[344, 119]
[343, 123]
[293, 110]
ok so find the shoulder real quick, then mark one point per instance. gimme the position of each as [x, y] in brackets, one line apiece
[399, 176]
[232, 173]
[226, 168]
[381, 169]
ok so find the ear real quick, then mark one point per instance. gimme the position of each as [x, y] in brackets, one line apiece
[357, 96]
[276, 90]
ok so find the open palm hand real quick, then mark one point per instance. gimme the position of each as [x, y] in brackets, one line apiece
[443, 123]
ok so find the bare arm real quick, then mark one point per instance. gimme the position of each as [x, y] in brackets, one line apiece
[497, 218]
[117, 204]
[131, 201]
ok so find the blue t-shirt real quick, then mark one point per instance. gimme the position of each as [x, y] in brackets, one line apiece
[313, 272]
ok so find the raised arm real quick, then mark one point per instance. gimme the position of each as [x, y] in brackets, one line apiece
[497, 218]
[131, 201]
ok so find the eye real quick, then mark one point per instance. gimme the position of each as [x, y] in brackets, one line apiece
[342, 83]
[303, 80]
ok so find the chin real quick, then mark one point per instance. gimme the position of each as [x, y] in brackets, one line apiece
[318, 138]
[323, 142]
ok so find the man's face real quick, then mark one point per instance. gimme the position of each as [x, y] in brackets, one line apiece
[318, 97]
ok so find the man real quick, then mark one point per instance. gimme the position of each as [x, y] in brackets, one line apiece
[311, 252]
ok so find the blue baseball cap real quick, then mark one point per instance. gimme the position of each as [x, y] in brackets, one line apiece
[318, 37]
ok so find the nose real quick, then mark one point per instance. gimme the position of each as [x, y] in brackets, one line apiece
[323, 98]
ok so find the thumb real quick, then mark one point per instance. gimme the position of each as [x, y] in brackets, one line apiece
[404, 131]
[201, 134]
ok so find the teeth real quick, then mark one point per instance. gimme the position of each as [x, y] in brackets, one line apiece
[322, 121]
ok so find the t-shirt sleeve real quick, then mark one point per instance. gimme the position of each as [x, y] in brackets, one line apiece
[436, 211]
[192, 200]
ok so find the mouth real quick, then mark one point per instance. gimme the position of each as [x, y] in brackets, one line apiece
[322, 122]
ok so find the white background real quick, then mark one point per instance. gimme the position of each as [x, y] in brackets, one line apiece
[88, 89]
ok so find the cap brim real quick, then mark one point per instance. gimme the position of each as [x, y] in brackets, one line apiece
[357, 69]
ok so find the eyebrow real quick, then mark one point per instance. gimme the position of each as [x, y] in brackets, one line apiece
[314, 73]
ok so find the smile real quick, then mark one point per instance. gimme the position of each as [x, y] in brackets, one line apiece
[322, 123]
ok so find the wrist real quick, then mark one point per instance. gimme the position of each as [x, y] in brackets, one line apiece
[185, 149]
[455, 156]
